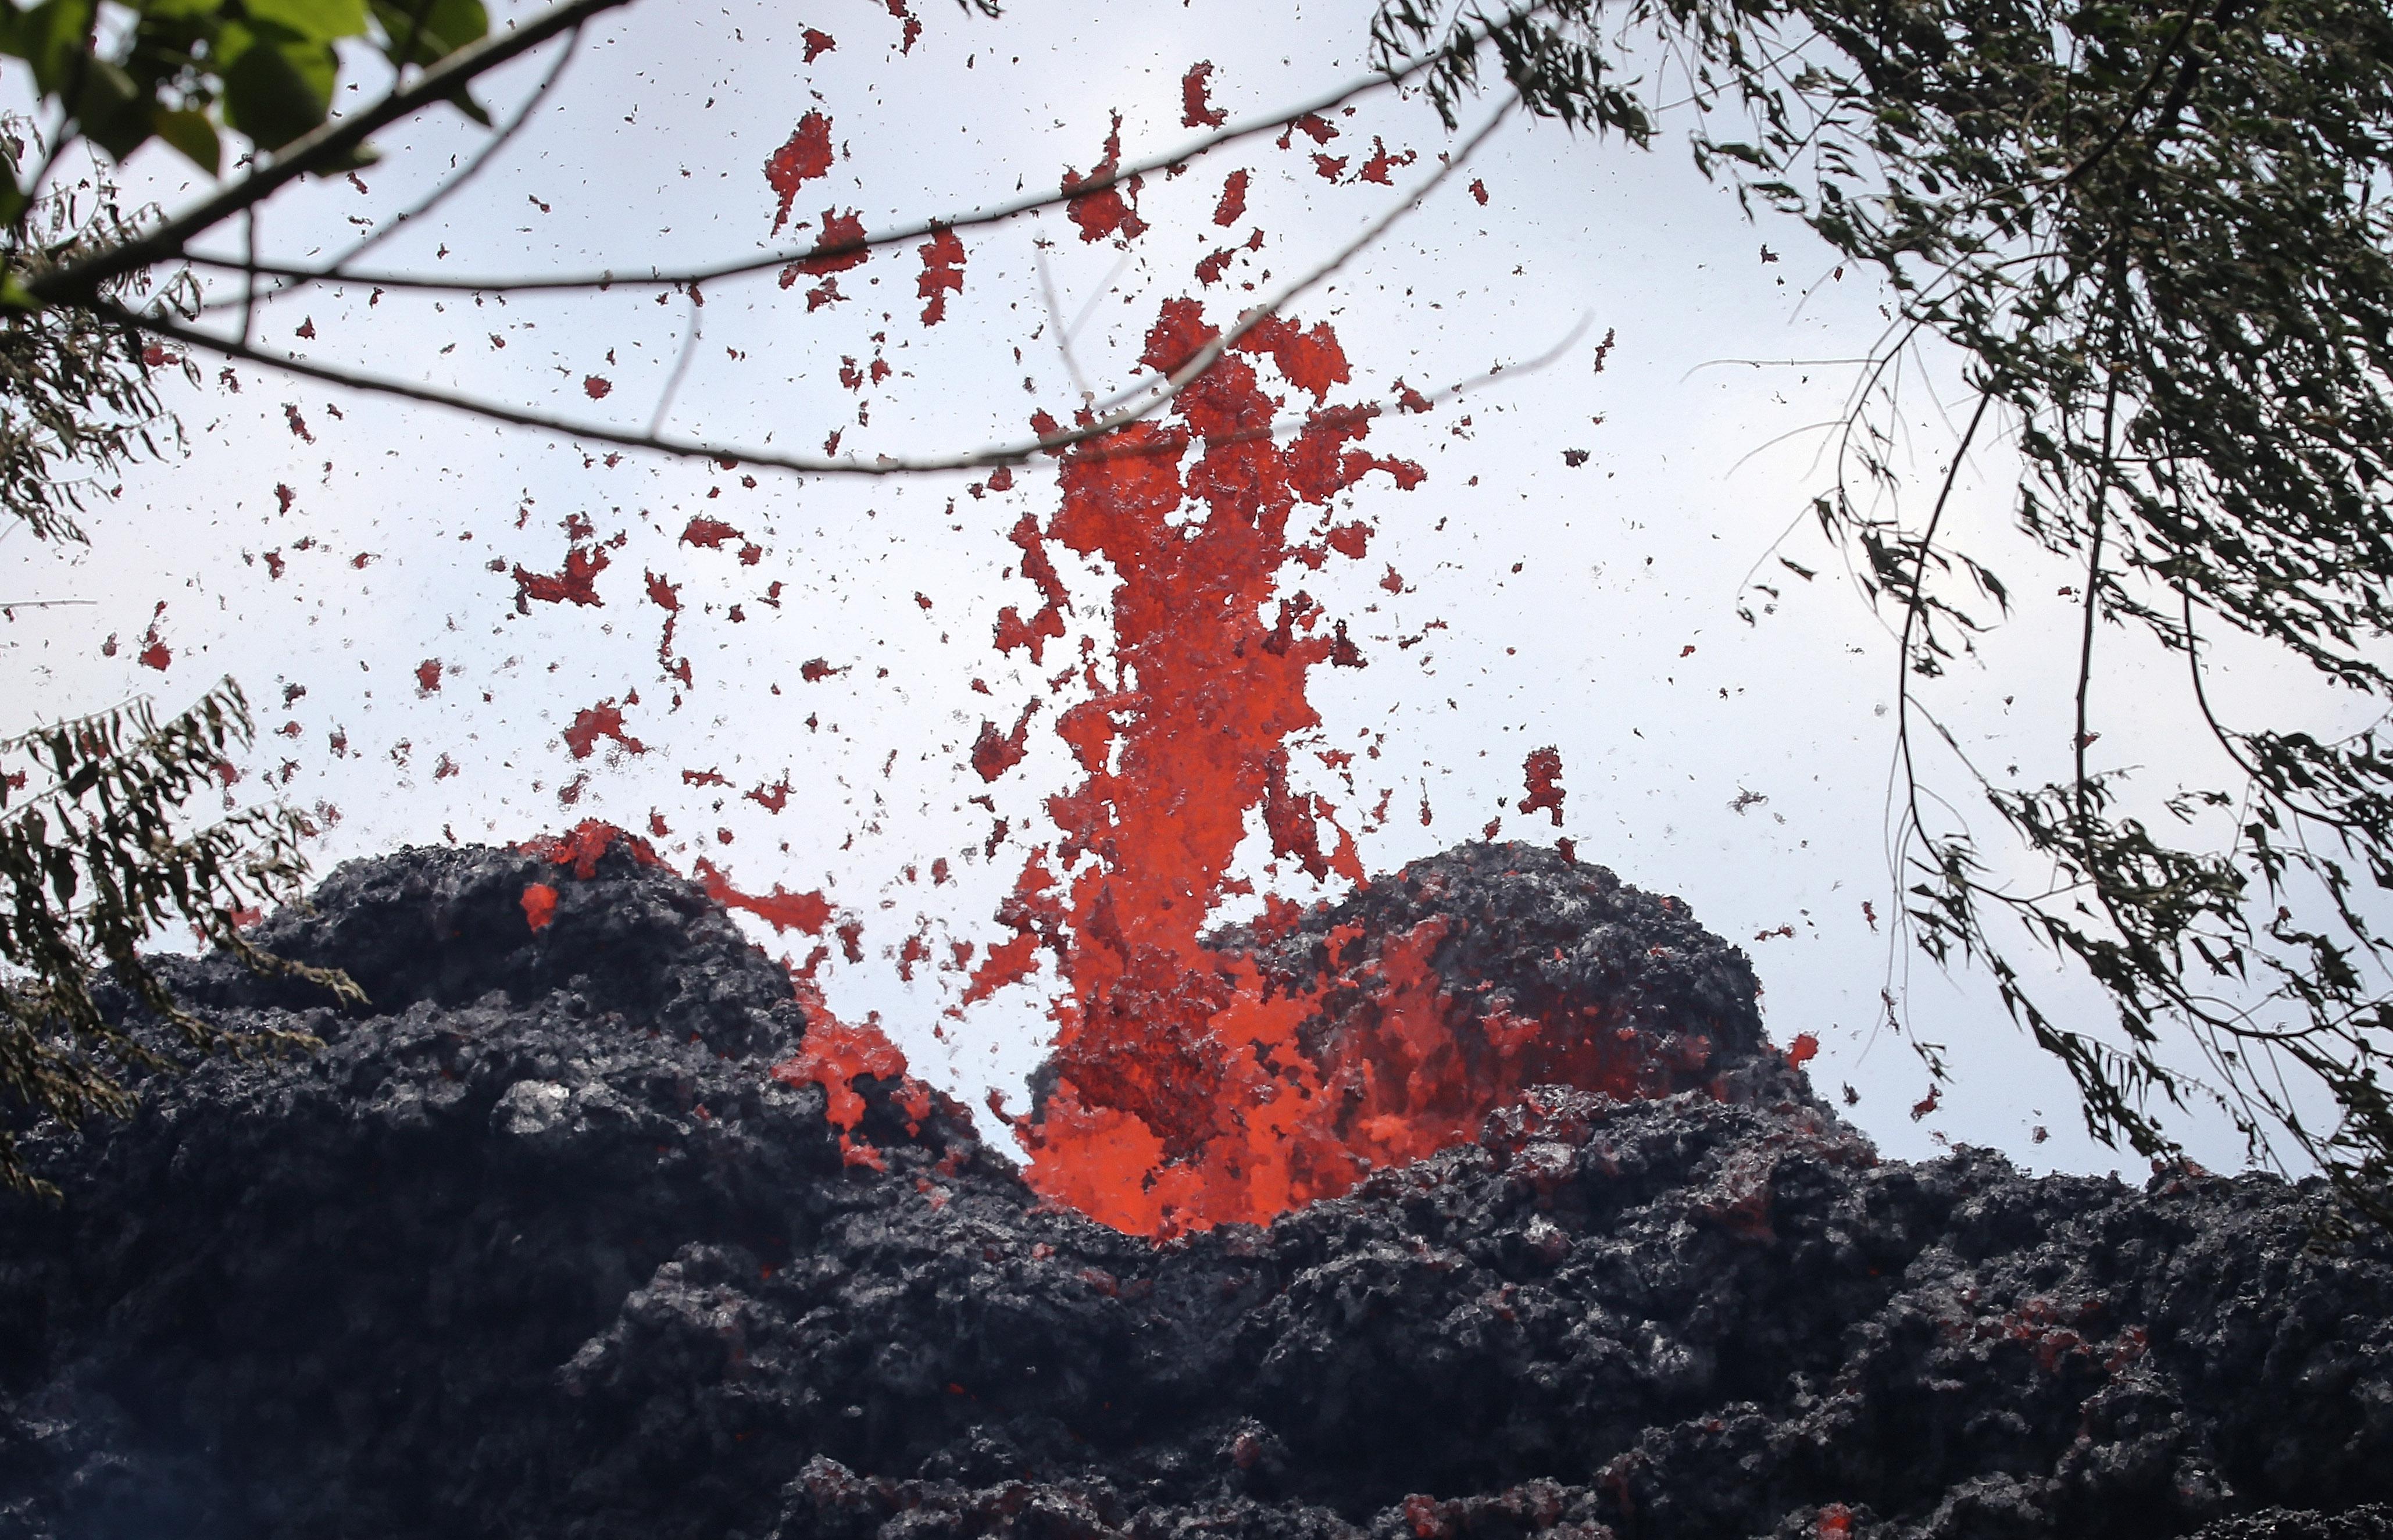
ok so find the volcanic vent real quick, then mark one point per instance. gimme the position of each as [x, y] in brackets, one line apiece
[1388, 1027]
[562, 1236]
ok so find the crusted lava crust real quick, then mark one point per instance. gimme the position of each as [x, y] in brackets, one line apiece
[535, 1247]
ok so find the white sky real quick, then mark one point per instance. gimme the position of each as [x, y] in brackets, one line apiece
[1570, 595]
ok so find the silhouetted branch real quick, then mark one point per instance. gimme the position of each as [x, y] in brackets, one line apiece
[1017, 453]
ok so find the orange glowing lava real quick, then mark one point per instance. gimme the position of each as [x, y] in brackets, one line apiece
[834, 1055]
[1195, 1083]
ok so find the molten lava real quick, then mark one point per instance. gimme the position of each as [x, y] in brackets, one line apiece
[1195, 1077]
[1197, 1082]
[835, 1054]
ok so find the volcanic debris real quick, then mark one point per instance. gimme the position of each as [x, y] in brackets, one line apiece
[536, 1246]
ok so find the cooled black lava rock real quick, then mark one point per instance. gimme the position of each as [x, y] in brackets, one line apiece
[1525, 931]
[537, 1247]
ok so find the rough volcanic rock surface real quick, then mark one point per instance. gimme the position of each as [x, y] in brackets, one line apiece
[535, 1247]
[1524, 932]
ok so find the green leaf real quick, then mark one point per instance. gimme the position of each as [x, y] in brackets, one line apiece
[277, 90]
[54, 38]
[463, 102]
[321, 21]
[112, 109]
[429, 31]
[192, 132]
[232, 40]
[357, 158]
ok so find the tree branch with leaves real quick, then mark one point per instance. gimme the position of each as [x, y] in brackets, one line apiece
[97, 855]
[2158, 241]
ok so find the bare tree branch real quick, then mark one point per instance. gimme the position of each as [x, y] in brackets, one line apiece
[473, 168]
[249, 275]
[681, 363]
[1017, 453]
[871, 240]
[1056, 323]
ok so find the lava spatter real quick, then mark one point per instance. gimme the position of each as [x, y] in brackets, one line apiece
[603, 721]
[1197, 1079]
[841, 245]
[805, 156]
[1112, 209]
[1542, 773]
[585, 844]
[834, 1053]
[1196, 109]
[1182, 1096]
[943, 273]
[809, 912]
[574, 584]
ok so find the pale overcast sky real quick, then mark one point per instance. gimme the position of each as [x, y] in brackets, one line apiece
[324, 547]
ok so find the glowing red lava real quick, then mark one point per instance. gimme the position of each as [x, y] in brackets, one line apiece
[806, 156]
[833, 1055]
[943, 273]
[1542, 772]
[781, 909]
[1196, 1084]
[1112, 211]
[1183, 1096]
[1193, 1082]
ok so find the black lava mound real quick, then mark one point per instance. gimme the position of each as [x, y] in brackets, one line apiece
[1524, 932]
[536, 1247]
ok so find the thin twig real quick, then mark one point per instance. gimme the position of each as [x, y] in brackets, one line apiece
[881, 465]
[482, 157]
[1770, 363]
[1097, 296]
[249, 274]
[828, 251]
[1907, 766]
[2126, 123]
[1056, 323]
[1204, 357]
[1365, 411]
[57, 139]
[2093, 610]
[82, 282]
[825, 251]
[681, 365]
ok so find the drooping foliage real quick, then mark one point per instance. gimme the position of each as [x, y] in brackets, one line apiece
[98, 855]
[2159, 237]
[77, 401]
[97, 851]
